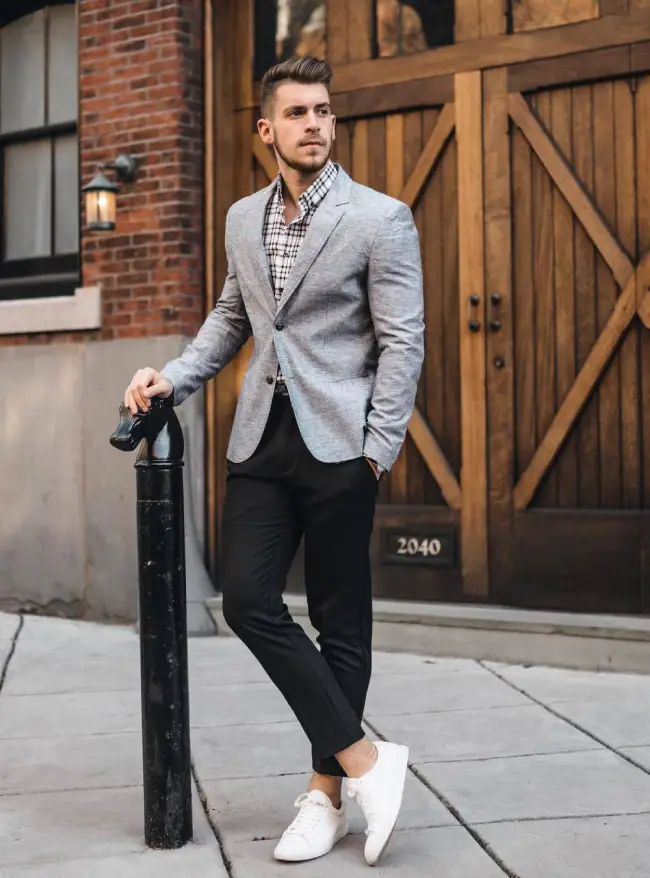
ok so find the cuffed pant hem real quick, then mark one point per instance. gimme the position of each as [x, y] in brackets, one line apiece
[329, 764]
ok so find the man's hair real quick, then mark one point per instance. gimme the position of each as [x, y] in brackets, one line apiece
[307, 70]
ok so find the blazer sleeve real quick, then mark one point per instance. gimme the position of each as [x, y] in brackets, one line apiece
[223, 333]
[397, 308]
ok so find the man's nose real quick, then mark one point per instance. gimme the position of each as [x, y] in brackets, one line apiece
[313, 123]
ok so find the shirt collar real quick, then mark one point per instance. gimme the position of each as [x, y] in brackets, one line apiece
[311, 197]
[320, 187]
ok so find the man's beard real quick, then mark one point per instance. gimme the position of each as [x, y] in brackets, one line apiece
[305, 166]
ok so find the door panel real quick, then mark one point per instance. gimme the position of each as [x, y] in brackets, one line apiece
[577, 561]
[573, 297]
[578, 296]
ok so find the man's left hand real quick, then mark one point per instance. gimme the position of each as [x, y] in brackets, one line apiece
[374, 468]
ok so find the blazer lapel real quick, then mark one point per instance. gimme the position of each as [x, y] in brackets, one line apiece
[323, 223]
[256, 249]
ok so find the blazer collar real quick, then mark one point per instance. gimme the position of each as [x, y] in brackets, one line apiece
[323, 223]
[256, 247]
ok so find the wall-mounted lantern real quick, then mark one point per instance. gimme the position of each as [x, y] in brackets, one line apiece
[101, 194]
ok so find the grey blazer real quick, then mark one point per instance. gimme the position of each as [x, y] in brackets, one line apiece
[348, 331]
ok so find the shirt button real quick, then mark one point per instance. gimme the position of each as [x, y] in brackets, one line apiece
[286, 255]
[279, 326]
[269, 379]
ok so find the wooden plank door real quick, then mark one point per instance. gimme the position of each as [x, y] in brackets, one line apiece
[567, 235]
[424, 147]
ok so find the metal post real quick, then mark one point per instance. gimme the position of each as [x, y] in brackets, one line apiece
[163, 621]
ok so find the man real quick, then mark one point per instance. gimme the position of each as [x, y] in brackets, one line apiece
[326, 275]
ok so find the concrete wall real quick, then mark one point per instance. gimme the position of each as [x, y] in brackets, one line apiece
[67, 530]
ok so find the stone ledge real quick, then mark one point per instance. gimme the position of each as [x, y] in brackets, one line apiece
[570, 640]
[53, 313]
[507, 619]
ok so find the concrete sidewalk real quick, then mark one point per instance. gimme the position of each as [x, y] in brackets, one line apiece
[526, 772]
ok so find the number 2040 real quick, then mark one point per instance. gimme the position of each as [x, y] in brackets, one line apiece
[416, 546]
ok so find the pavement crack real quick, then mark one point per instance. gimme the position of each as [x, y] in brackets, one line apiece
[402, 713]
[503, 756]
[227, 862]
[478, 838]
[12, 649]
[563, 818]
[579, 728]
[55, 791]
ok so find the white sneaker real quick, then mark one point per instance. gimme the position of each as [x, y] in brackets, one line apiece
[379, 794]
[315, 830]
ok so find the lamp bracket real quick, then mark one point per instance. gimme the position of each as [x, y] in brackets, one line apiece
[124, 166]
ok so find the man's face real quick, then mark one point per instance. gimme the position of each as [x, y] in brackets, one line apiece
[300, 126]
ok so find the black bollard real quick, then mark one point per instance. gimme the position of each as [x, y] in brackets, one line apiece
[163, 621]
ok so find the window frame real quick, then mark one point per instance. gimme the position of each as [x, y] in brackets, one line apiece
[266, 12]
[57, 274]
[429, 48]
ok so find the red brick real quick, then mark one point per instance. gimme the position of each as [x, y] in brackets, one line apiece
[141, 92]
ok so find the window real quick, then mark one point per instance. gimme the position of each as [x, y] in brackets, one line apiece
[284, 28]
[39, 166]
[408, 26]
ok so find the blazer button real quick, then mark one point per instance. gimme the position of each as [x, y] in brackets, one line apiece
[269, 379]
[279, 326]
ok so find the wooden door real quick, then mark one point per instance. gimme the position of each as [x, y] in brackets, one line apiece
[567, 231]
[525, 466]
[419, 142]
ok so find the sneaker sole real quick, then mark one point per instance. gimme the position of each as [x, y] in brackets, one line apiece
[342, 832]
[400, 796]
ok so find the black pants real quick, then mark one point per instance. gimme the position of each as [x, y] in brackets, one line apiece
[274, 498]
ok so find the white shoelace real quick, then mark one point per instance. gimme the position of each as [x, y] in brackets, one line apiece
[307, 817]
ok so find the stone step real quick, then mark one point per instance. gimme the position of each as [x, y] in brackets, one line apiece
[493, 633]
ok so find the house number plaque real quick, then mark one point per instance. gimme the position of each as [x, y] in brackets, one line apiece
[435, 547]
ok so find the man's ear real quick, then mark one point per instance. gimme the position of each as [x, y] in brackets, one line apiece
[333, 127]
[265, 131]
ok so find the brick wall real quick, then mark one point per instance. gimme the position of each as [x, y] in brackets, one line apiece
[141, 89]
[141, 92]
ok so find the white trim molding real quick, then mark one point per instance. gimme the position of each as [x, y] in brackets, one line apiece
[53, 314]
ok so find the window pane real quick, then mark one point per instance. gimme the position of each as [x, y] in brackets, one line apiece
[62, 81]
[22, 73]
[28, 187]
[66, 195]
[288, 27]
[408, 26]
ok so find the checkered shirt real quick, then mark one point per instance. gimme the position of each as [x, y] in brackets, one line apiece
[281, 241]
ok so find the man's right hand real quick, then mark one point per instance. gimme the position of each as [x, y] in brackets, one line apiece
[145, 384]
